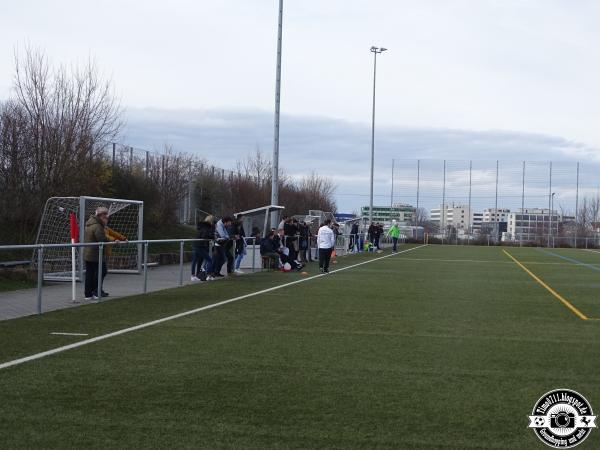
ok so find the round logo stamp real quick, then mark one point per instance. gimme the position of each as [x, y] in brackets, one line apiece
[562, 418]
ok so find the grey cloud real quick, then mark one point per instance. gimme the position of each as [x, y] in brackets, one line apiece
[341, 150]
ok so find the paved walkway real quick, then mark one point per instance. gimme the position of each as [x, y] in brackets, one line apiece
[55, 296]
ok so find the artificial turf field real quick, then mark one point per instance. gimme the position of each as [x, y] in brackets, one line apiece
[438, 347]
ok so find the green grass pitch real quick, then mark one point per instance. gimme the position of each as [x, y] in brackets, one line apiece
[439, 347]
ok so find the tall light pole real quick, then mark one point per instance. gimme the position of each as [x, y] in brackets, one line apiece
[550, 221]
[375, 51]
[275, 162]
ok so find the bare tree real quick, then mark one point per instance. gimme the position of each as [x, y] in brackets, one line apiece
[421, 216]
[594, 208]
[257, 166]
[52, 133]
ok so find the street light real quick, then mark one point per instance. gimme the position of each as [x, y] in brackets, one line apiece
[375, 51]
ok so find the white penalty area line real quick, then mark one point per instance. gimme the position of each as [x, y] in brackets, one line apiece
[141, 326]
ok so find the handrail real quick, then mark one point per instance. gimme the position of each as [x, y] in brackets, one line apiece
[98, 244]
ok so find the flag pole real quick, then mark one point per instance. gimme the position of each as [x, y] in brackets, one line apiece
[74, 239]
[72, 270]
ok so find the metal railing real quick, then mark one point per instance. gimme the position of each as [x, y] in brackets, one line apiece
[342, 244]
[39, 250]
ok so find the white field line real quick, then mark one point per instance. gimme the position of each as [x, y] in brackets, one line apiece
[57, 333]
[141, 326]
[484, 261]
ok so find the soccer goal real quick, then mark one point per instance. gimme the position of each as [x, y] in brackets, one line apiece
[126, 217]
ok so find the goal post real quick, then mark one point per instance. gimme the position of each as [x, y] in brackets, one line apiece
[125, 217]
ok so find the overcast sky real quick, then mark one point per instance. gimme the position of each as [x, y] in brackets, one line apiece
[478, 79]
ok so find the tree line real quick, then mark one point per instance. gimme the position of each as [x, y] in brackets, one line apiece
[54, 130]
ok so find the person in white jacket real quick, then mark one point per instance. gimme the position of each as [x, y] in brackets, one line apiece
[326, 244]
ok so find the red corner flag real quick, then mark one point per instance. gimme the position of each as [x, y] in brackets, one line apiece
[74, 227]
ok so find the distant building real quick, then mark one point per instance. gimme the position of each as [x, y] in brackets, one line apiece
[458, 216]
[401, 212]
[532, 223]
[476, 222]
[495, 222]
[496, 214]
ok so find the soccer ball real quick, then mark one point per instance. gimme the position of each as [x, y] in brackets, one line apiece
[287, 267]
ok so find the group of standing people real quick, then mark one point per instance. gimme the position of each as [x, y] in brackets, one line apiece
[290, 244]
[229, 248]
[296, 237]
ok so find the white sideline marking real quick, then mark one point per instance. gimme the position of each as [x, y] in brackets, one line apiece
[141, 326]
[56, 333]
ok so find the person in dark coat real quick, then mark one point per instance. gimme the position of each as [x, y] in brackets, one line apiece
[240, 243]
[304, 241]
[377, 232]
[202, 266]
[290, 231]
[371, 232]
[353, 237]
[222, 240]
[269, 248]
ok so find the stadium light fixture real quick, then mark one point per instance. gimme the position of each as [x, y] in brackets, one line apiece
[375, 50]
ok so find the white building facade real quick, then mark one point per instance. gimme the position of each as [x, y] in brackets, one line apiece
[496, 214]
[532, 223]
[458, 216]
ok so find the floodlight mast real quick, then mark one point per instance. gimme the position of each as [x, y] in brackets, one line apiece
[275, 162]
[375, 51]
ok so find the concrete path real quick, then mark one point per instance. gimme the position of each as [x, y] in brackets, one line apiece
[55, 296]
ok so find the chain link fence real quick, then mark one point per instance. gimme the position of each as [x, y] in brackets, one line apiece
[541, 202]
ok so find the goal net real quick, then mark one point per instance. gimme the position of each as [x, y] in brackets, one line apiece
[125, 217]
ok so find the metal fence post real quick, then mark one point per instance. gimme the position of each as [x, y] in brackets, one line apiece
[100, 269]
[253, 254]
[471, 215]
[145, 267]
[181, 263]
[140, 236]
[392, 193]
[443, 211]
[549, 204]
[577, 206]
[418, 186]
[40, 277]
[497, 221]
[522, 208]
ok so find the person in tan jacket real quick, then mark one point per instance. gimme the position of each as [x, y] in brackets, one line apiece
[95, 231]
